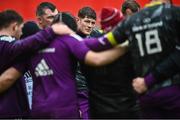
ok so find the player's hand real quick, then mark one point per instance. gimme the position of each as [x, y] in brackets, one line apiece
[139, 85]
[62, 29]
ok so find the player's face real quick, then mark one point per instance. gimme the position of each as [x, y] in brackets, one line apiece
[18, 30]
[129, 12]
[46, 19]
[86, 25]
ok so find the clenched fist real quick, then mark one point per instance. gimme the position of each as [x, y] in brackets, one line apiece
[139, 85]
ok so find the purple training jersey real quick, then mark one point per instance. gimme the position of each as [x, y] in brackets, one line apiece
[53, 71]
[10, 48]
[13, 102]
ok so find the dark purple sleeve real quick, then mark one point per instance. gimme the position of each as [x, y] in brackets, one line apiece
[98, 44]
[31, 43]
[150, 80]
[21, 67]
[77, 48]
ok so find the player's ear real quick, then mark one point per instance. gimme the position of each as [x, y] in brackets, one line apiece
[39, 19]
[78, 20]
[14, 26]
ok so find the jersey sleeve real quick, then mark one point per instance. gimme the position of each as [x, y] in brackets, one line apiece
[119, 32]
[98, 44]
[77, 48]
[30, 44]
[21, 67]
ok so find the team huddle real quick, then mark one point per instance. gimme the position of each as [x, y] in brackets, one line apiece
[67, 67]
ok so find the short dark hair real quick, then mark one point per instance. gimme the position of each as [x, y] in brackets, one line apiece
[67, 19]
[130, 4]
[87, 12]
[29, 28]
[9, 16]
[44, 5]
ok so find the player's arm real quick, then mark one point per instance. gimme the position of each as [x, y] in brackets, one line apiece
[36, 41]
[169, 67]
[8, 78]
[104, 57]
[162, 71]
[84, 54]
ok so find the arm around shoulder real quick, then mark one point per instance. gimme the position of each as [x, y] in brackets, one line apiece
[104, 57]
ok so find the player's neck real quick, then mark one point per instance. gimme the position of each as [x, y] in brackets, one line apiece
[80, 33]
[41, 26]
[5, 32]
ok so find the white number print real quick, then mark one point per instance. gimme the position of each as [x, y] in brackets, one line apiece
[42, 69]
[152, 42]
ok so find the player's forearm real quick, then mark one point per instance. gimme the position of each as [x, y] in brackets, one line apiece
[8, 78]
[104, 57]
[111, 55]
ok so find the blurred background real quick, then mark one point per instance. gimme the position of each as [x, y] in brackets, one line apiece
[27, 8]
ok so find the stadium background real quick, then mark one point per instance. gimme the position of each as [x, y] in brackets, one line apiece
[27, 8]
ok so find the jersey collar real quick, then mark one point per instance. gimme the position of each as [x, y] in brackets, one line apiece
[7, 38]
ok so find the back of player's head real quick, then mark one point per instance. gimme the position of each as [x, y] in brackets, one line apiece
[9, 16]
[87, 12]
[44, 5]
[29, 28]
[130, 4]
[67, 19]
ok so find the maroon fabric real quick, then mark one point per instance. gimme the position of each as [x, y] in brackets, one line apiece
[110, 17]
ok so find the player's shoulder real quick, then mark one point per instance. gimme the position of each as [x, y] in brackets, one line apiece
[70, 37]
[77, 37]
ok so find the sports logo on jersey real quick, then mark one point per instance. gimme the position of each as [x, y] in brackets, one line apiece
[101, 40]
[42, 69]
[48, 50]
[29, 87]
